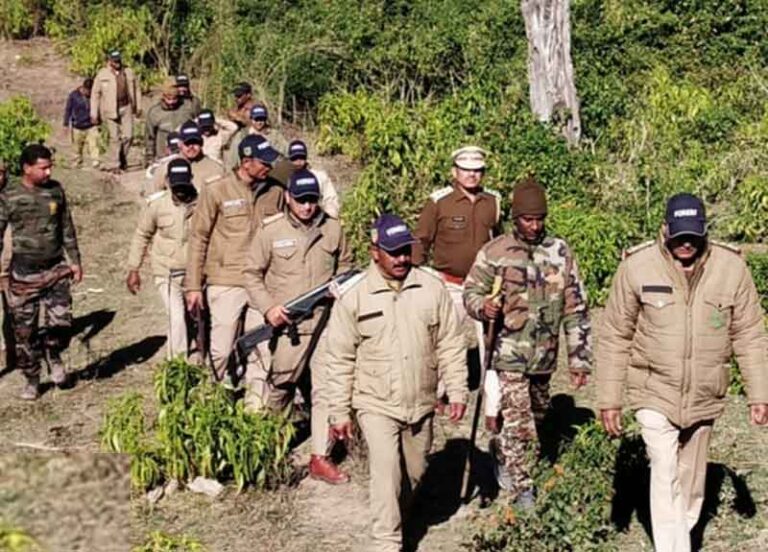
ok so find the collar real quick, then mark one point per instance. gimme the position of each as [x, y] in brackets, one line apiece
[459, 194]
[296, 223]
[378, 284]
[674, 266]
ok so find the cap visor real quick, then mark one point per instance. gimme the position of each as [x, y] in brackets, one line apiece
[389, 248]
[470, 165]
[193, 140]
[305, 194]
[687, 227]
[268, 155]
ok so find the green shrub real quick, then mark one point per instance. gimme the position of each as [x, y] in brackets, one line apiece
[199, 431]
[19, 125]
[21, 18]
[161, 542]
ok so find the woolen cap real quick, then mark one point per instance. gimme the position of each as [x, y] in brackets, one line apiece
[390, 233]
[470, 158]
[686, 215]
[529, 198]
[303, 183]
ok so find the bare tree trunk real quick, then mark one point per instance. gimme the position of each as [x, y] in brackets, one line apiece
[550, 68]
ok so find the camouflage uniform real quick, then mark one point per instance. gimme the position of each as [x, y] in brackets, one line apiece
[42, 232]
[541, 291]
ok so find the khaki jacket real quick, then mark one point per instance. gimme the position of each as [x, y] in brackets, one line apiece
[288, 258]
[386, 348]
[670, 341]
[204, 171]
[228, 212]
[214, 145]
[165, 224]
[104, 94]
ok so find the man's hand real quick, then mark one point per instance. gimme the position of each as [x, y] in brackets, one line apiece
[456, 412]
[194, 301]
[611, 420]
[277, 316]
[133, 281]
[492, 424]
[341, 432]
[491, 308]
[579, 379]
[77, 273]
[758, 414]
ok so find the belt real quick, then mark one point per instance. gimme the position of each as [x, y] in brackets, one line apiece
[451, 279]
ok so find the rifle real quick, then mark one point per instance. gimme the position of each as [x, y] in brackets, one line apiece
[299, 309]
[490, 344]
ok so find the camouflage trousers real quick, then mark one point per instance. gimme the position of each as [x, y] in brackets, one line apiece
[524, 405]
[32, 341]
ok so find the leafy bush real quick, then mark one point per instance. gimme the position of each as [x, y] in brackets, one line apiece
[199, 431]
[21, 18]
[758, 266]
[161, 542]
[19, 126]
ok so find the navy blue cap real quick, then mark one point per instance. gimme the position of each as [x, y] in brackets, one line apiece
[206, 119]
[115, 55]
[297, 150]
[173, 139]
[259, 113]
[182, 80]
[190, 133]
[255, 146]
[303, 183]
[686, 215]
[179, 172]
[390, 233]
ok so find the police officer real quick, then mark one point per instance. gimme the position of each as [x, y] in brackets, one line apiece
[162, 118]
[217, 134]
[241, 112]
[204, 169]
[45, 257]
[295, 251]
[164, 224]
[329, 198]
[190, 104]
[228, 210]
[259, 125]
[116, 100]
[541, 292]
[388, 337]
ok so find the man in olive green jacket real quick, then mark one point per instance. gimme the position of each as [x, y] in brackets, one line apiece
[389, 337]
[678, 310]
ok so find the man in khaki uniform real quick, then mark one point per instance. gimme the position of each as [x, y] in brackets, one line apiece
[259, 125]
[163, 118]
[115, 100]
[190, 104]
[679, 308]
[241, 112]
[164, 224]
[204, 169]
[217, 135]
[389, 337]
[294, 252]
[228, 211]
[329, 198]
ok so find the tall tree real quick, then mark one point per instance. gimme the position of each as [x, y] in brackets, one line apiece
[550, 67]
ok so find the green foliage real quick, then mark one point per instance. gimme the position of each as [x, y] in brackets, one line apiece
[573, 505]
[21, 18]
[19, 126]
[14, 539]
[199, 431]
[161, 542]
[758, 266]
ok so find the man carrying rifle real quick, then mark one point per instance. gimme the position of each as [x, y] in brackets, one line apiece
[541, 291]
[164, 224]
[389, 337]
[45, 257]
[293, 252]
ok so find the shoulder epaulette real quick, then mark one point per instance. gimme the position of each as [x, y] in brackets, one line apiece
[213, 178]
[494, 193]
[634, 249]
[272, 218]
[729, 246]
[497, 197]
[157, 195]
[437, 195]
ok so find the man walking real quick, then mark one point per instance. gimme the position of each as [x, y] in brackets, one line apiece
[44, 258]
[162, 118]
[679, 308]
[388, 338]
[329, 198]
[241, 112]
[541, 291]
[116, 100]
[294, 252]
[190, 104]
[77, 118]
[164, 224]
[216, 134]
[228, 211]
[259, 126]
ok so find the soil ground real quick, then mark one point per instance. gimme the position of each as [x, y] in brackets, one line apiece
[56, 485]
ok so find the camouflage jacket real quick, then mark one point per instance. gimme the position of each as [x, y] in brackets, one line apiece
[541, 290]
[40, 222]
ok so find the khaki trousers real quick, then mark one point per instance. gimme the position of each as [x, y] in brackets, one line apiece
[85, 139]
[173, 298]
[471, 329]
[678, 474]
[226, 304]
[390, 443]
[120, 138]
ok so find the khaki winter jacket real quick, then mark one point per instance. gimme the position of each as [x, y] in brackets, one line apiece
[288, 258]
[228, 212]
[204, 171]
[165, 224]
[104, 94]
[386, 348]
[670, 341]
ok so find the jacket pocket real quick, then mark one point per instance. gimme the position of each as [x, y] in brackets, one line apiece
[373, 379]
[718, 312]
[658, 309]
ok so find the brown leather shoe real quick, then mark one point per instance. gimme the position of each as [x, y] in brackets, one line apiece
[322, 468]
